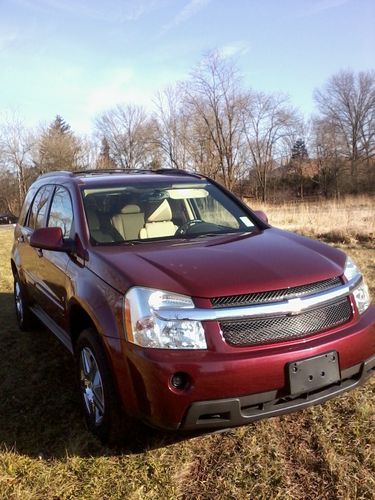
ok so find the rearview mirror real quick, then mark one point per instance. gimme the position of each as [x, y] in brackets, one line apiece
[50, 238]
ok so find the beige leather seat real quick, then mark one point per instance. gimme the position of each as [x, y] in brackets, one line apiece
[159, 223]
[96, 232]
[129, 222]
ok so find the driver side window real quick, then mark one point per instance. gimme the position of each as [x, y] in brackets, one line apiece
[37, 213]
[61, 213]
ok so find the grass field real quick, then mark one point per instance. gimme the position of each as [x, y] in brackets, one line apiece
[325, 452]
[348, 220]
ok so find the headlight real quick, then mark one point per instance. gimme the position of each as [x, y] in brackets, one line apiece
[144, 328]
[362, 297]
[351, 270]
[361, 293]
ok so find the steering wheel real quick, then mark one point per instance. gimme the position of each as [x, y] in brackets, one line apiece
[184, 229]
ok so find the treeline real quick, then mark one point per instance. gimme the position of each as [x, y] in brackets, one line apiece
[255, 143]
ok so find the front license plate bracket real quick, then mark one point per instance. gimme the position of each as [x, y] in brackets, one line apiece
[310, 374]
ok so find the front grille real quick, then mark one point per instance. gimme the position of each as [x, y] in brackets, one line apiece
[281, 328]
[275, 295]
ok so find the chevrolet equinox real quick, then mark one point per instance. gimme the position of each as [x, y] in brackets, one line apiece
[181, 306]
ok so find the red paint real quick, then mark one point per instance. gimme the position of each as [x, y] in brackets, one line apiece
[94, 279]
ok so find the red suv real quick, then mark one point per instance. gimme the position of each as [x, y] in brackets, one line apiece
[182, 306]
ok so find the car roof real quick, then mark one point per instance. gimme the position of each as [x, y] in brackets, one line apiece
[115, 177]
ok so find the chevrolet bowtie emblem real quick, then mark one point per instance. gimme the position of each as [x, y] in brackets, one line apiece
[294, 306]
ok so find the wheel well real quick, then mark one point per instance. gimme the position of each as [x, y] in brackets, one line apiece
[14, 268]
[79, 320]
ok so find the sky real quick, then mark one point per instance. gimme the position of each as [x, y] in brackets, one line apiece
[79, 58]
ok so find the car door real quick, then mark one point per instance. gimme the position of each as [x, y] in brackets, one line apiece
[52, 265]
[29, 257]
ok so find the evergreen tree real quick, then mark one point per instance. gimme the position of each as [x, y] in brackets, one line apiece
[59, 149]
[105, 161]
[59, 126]
[298, 161]
[299, 151]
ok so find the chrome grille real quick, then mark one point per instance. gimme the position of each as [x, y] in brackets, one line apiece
[281, 328]
[275, 295]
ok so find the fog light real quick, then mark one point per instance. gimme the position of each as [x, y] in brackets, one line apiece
[180, 380]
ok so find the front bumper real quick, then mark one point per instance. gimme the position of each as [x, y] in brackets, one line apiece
[232, 412]
[239, 384]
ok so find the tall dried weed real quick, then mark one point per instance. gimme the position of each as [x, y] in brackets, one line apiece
[348, 220]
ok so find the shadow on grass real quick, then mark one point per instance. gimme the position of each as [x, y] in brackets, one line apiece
[40, 410]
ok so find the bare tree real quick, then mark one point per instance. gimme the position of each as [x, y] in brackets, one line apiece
[328, 148]
[127, 132]
[172, 123]
[213, 98]
[88, 153]
[9, 193]
[347, 102]
[268, 124]
[16, 147]
[203, 154]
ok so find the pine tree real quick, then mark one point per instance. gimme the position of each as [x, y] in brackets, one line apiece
[59, 149]
[298, 160]
[105, 161]
[299, 151]
[59, 126]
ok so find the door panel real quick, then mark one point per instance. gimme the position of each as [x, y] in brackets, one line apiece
[28, 256]
[53, 281]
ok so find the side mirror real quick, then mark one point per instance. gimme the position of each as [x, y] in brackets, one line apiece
[50, 238]
[261, 215]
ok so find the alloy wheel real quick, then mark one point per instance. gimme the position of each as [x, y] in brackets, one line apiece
[92, 386]
[18, 300]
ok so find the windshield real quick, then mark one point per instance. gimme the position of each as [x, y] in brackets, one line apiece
[147, 212]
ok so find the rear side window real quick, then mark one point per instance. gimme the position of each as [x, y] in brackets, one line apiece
[61, 213]
[26, 206]
[39, 208]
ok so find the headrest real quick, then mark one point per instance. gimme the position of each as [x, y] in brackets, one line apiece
[130, 209]
[92, 219]
[161, 214]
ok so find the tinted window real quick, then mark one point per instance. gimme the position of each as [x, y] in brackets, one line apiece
[61, 213]
[26, 206]
[39, 207]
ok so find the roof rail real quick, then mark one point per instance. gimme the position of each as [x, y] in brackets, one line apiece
[176, 171]
[57, 172]
[161, 171]
[100, 171]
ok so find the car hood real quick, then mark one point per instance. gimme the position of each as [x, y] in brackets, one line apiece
[220, 265]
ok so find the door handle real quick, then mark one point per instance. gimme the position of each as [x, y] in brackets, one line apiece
[39, 252]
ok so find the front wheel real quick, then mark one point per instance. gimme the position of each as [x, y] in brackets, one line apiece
[25, 317]
[97, 393]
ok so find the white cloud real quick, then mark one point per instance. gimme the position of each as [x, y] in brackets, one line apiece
[236, 48]
[190, 10]
[110, 10]
[317, 6]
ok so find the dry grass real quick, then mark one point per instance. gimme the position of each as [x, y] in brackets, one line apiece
[348, 220]
[325, 452]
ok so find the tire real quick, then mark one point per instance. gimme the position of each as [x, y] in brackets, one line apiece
[25, 318]
[99, 401]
